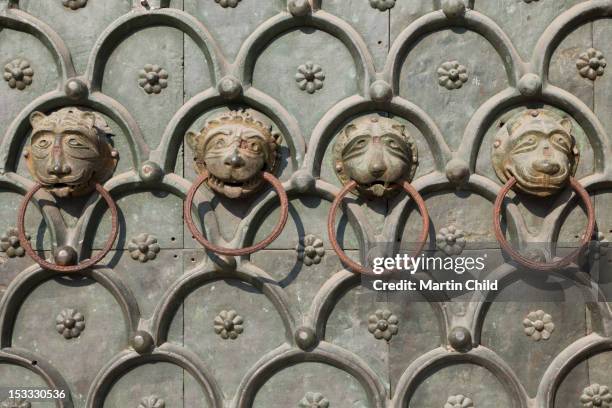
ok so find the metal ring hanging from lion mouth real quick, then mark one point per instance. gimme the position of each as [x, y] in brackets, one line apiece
[331, 222]
[69, 268]
[543, 266]
[284, 207]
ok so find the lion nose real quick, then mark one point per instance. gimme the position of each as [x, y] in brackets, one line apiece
[377, 168]
[546, 167]
[234, 160]
[60, 170]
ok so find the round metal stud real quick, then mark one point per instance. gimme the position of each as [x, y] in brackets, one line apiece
[453, 8]
[142, 342]
[460, 339]
[65, 256]
[303, 181]
[150, 172]
[76, 89]
[229, 87]
[530, 85]
[305, 338]
[457, 171]
[299, 8]
[380, 91]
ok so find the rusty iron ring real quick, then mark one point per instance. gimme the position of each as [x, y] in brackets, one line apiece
[331, 222]
[284, 206]
[543, 266]
[72, 268]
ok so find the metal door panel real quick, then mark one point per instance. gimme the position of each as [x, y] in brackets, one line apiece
[161, 323]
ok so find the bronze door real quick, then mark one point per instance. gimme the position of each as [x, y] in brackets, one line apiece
[111, 110]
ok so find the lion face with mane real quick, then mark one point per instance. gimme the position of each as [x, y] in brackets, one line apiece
[376, 152]
[235, 147]
[70, 151]
[538, 149]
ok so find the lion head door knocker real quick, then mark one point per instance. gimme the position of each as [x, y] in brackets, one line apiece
[535, 153]
[70, 154]
[373, 156]
[377, 153]
[236, 152]
[234, 148]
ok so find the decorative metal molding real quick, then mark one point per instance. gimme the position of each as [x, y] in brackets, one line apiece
[18, 74]
[538, 325]
[310, 77]
[451, 240]
[310, 250]
[459, 401]
[376, 152]
[452, 75]
[70, 323]
[9, 243]
[228, 3]
[153, 78]
[538, 148]
[382, 5]
[233, 148]
[84, 157]
[74, 4]
[313, 400]
[383, 324]
[228, 324]
[596, 396]
[15, 403]
[591, 64]
[143, 247]
[152, 401]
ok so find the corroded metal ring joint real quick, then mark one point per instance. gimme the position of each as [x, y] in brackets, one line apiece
[543, 266]
[284, 207]
[69, 268]
[331, 222]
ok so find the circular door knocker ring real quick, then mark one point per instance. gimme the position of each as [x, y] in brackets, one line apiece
[331, 222]
[284, 207]
[535, 265]
[68, 268]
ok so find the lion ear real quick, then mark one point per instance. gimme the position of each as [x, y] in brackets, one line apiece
[400, 128]
[190, 137]
[567, 124]
[89, 118]
[36, 118]
[349, 129]
[511, 126]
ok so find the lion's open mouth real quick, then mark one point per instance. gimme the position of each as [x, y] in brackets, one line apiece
[378, 187]
[235, 189]
[538, 182]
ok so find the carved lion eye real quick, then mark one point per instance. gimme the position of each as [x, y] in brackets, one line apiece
[72, 142]
[220, 143]
[43, 143]
[361, 143]
[393, 144]
[255, 147]
[561, 141]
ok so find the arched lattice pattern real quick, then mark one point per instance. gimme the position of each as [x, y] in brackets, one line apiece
[152, 160]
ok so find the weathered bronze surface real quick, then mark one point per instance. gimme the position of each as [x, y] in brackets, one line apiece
[538, 149]
[449, 70]
[70, 151]
[234, 147]
[376, 152]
